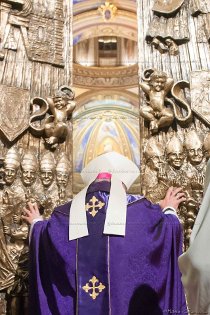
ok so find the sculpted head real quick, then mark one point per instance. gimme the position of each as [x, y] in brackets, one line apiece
[11, 165]
[194, 148]
[154, 154]
[29, 168]
[175, 152]
[47, 169]
[63, 96]
[206, 145]
[158, 80]
[63, 171]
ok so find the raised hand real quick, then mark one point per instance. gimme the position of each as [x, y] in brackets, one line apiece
[31, 213]
[173, 198]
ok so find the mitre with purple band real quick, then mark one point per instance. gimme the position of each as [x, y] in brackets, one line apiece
[123, 171]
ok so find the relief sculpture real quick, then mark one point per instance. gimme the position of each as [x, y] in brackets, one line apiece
[62, 177]
[41, 26]
[169, 26]
[161, 110]
[200, 95]
[154, 185]
[31, 174]
[54, 128]
[49, 196]
[177, 148]
[178, 162]
[14, 242]
[13, 101]
[35, 129]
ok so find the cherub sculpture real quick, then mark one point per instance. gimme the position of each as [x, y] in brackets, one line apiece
[157, 85]
[61, 106]
[53, 128]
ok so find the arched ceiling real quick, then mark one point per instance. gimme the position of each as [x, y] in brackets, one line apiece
[81, 6]
[88, 22]
[115, 95]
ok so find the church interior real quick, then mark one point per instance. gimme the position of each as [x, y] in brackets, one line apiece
[81, 78]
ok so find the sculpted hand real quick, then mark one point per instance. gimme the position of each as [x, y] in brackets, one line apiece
[32, 213]
[162, 174]
[15, 219]
[6, 230]
[173, 198]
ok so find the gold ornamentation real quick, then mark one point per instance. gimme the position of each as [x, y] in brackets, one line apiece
[153, 186]
[62, 176]
[55, 128]
[94, 204]
[200, 94]
[13, 102]
[199, 7]
[206, 145]
[167, 7]
[11, 165]
[61, 107]
[108, 11]
[96, 289]
[157, 86]
[169, 26]
[29, 167]
[175, 153]
[102, 77]
[194, 148]
[62, 170]
[47, 169]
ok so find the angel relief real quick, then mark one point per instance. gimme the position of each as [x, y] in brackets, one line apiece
[56, 111]
[161, 110]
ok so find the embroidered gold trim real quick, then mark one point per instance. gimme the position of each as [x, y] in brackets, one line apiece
[96, 289]
[95, 205]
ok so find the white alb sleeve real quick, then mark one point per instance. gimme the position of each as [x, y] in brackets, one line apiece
[170, 210]
[32, 225]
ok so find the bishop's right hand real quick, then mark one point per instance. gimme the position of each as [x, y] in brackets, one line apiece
[31, 213]
[173, 198]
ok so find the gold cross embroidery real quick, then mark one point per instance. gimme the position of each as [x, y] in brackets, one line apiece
[94, 204]
[96, 289]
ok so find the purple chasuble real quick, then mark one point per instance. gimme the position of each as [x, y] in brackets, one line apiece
[107, 275]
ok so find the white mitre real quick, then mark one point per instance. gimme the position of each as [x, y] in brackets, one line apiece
[124, 171]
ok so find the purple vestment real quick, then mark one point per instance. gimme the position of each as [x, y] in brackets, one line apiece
[137, 274]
